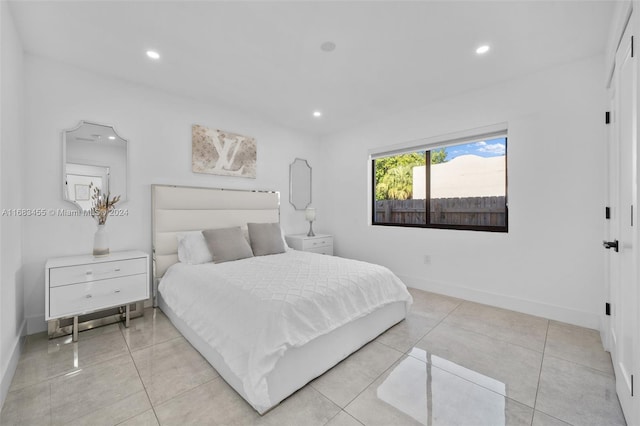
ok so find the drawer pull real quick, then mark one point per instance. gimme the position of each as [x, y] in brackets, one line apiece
[88, 296]
[117, 291]
[116, 270]
[89, 273]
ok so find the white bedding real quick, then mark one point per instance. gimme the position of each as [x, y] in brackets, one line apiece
[253, 310]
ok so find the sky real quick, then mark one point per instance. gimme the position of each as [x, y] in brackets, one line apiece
[489, 148]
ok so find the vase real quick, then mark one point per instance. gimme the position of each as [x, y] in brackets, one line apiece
[101, 242]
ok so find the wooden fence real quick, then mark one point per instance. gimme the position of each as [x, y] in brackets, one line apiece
[477, 211]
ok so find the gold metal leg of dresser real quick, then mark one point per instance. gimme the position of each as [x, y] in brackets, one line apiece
[75, 328]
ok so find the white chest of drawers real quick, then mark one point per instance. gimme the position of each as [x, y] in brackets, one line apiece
[320, 243]
[78, 285]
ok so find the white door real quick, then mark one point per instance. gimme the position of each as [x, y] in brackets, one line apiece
[625, 339]
[612, 264]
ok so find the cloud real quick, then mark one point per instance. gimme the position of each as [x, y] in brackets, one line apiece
[494, 148]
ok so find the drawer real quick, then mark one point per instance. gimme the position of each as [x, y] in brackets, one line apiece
[322, 250]
[311, 243]
[81, 298]
[96, 271]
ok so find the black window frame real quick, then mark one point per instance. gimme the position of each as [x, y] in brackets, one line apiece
[428, 224]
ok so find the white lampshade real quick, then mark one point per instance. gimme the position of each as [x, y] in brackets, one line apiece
[310, 214]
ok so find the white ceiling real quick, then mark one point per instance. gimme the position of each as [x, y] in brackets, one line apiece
[264, 57]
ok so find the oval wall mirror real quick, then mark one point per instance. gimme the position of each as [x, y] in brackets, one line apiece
[93, 155]
[300, 184]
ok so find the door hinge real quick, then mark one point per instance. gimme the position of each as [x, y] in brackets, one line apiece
[611, 245]
[607, 117]
[607, 308]
[632, 385]
[607, 212]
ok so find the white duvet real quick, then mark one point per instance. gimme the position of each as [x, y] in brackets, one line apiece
[253, 310]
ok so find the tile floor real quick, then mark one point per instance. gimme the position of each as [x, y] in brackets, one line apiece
[451, 362]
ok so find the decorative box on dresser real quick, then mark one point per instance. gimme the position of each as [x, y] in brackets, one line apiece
[320, 243]
[80, 285]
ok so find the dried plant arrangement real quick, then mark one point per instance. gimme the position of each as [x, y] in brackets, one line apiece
[101, 204]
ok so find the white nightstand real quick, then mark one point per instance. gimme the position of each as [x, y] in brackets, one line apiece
[321, 243]
[77, 285]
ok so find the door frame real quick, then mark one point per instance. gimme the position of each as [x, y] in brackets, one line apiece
[623, 17]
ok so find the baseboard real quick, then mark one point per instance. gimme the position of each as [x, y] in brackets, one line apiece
[10, 369]
[36, 324]
[558, 313]
[605, 327]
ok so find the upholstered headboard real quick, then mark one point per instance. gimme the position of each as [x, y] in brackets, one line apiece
[183, 208]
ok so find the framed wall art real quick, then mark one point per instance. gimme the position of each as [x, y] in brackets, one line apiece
[223, 153]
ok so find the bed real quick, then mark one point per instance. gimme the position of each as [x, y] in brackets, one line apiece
[267, 324]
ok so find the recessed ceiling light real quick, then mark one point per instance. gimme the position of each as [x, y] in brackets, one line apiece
[482, 49]
[328, 46]
[317, 114]
[112, 138]
[153, 54]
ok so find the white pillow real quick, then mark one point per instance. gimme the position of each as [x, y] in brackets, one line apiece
[192, 248]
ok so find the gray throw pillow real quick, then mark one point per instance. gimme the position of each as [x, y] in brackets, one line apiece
[227, 244]
[266, 238]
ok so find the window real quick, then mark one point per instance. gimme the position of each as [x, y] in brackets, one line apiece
[460, 183]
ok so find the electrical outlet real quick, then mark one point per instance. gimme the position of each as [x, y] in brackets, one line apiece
[427, 259]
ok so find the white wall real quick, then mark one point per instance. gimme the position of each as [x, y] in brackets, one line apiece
[12, 323]
[551, 261]
[158, 127]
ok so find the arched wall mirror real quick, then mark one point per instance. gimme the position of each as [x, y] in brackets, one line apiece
[93, 154]
[300, 184]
